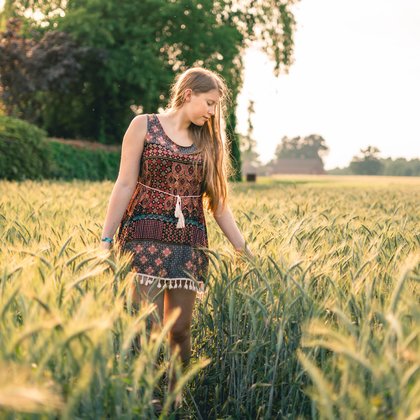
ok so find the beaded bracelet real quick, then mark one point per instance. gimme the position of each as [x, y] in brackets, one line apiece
[106, 239]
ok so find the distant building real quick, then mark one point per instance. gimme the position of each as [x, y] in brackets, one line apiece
[296, 166]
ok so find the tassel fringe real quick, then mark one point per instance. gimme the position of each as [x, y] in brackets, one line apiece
[174, 283]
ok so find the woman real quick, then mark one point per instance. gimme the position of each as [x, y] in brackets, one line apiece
[172, 166]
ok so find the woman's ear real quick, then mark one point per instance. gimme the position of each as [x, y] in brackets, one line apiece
[187, 95]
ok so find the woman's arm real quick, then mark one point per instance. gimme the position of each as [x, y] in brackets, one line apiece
[226, 221]
[131, 151]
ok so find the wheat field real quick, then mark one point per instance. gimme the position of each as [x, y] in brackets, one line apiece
[325, 323]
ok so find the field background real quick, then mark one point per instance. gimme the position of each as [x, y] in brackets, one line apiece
[324, 324]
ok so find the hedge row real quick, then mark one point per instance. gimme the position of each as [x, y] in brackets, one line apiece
[25, 153]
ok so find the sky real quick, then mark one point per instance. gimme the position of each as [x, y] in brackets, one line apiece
[355, 81]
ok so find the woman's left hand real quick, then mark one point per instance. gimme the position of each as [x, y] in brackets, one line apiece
[245, 251]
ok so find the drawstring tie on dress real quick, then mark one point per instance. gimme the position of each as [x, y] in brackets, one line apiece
[178, 206]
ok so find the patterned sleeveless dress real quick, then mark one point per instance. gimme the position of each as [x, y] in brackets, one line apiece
[164, 226]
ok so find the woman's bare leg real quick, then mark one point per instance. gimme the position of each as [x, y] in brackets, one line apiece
[143, 295]
[180, 333]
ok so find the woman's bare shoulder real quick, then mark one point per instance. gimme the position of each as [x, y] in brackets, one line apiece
[132, 149]
[139, 123]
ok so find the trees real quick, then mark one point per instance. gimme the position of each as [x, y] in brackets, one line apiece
[362, 165]
[367, 163]
[143, 45]
[299, 155]
[309, 147]
[248, 144]
[36, 73]
[401, 167]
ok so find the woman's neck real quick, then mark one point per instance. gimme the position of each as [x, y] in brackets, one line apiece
[178, 120]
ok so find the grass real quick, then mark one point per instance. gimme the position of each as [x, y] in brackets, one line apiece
[324, 324]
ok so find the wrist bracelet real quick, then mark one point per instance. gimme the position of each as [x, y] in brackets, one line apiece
[106, 239]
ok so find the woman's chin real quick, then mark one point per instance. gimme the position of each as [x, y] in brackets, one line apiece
[200, 122]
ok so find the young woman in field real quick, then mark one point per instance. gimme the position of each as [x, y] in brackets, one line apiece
[172, 166]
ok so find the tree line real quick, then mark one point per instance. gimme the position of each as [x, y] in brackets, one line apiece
[314, 146]
[368, 162]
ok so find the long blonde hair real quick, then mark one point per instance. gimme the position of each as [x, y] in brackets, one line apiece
[210, 138]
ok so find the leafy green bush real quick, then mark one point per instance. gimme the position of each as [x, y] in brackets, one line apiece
[70, 162]
[24, 152]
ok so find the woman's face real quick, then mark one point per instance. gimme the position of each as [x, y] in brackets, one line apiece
[201, 106]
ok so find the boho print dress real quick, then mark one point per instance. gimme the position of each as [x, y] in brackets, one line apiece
[164, 226]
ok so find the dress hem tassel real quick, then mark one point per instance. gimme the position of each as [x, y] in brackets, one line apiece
[171, 283]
